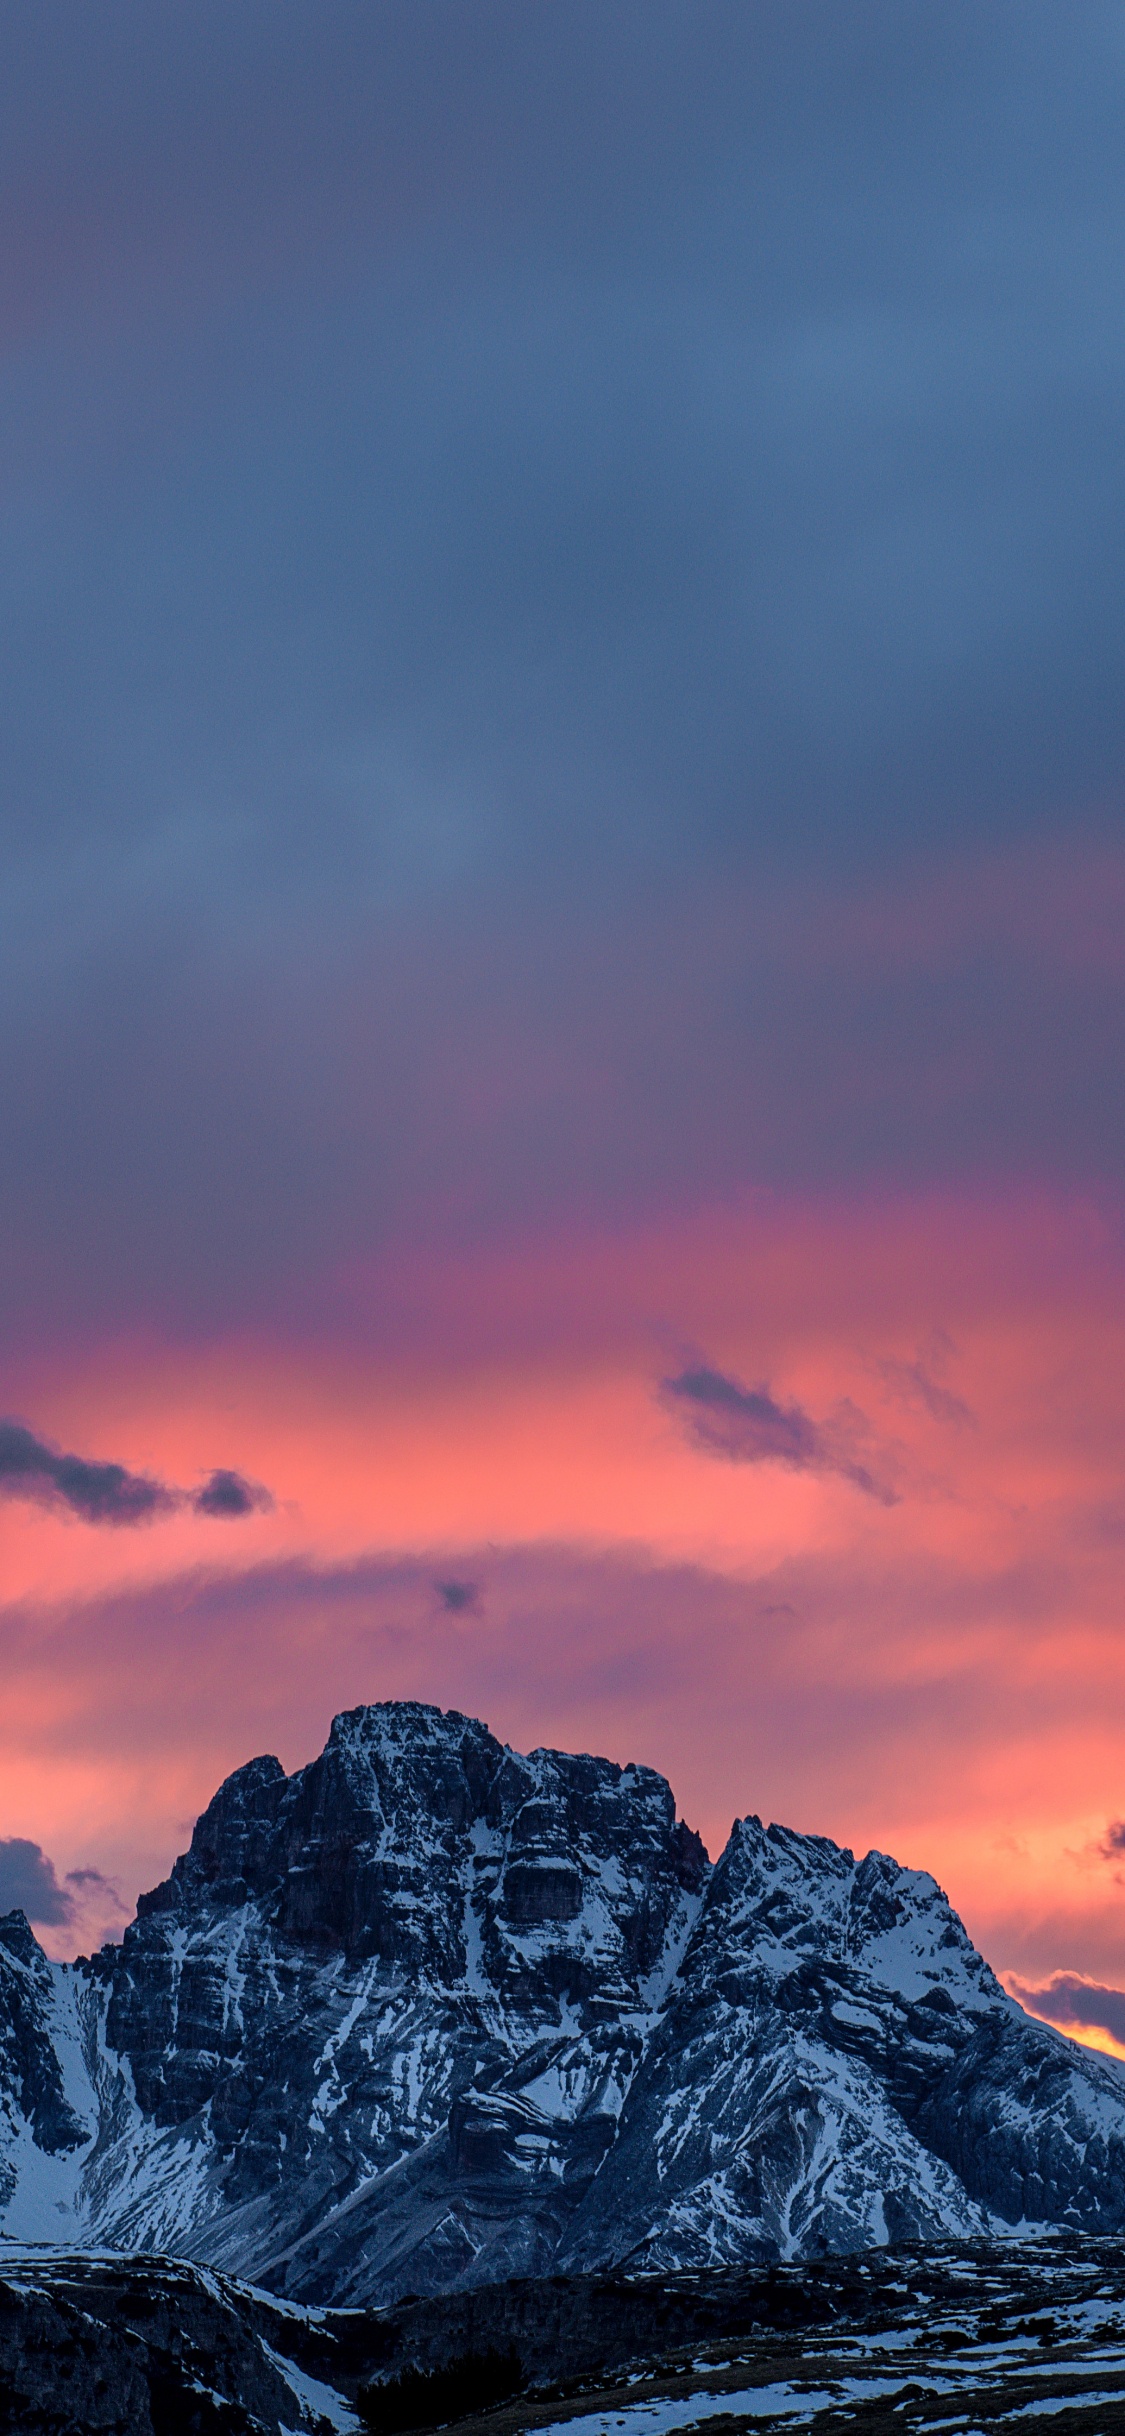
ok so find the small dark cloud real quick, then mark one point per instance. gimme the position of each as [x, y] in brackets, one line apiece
[1068, 2000]
[107, 1492]
[747, 1425]
[96, 1492]
[1112, 1846]
[743, 1423]
[456, 1597]
[919, 1383]
[227, 1496]
[28, 1884]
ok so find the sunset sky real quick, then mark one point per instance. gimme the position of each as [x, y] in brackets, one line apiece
[562, 906]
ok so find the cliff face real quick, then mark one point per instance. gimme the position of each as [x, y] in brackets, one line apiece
[427, 2013]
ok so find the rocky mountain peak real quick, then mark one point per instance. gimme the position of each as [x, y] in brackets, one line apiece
[430, 2011]
[778, 1898]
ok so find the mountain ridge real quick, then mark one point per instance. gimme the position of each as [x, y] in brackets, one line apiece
[429, 2012]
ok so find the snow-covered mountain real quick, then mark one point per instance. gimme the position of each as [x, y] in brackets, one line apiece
[428, 2013]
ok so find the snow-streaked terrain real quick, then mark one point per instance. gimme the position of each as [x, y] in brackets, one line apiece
[911, 2343]
[429, 2013]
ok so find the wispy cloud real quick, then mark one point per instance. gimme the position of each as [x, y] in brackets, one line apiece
[748, 1425]
[98, 1492]
[919, 1383]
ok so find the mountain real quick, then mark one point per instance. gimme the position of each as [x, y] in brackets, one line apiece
[428, 2013]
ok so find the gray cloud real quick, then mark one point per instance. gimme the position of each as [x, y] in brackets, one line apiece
[1067, 1999]
[28, 1883]
[96, 1492]
[107, 1492]
[227, 1496]
[747, 1425]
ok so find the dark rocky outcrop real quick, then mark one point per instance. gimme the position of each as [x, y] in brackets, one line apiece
[31, 2079]
[908, 2342]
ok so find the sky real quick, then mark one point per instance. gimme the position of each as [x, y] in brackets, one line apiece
[562, 920]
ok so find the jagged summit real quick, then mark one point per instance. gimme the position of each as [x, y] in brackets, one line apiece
[416, 1834]
[429, 2012]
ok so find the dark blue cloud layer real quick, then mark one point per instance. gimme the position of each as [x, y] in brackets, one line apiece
[512, 519]
[1075, 2003]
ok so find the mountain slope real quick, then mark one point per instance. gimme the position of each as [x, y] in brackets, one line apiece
[836, 2066]
[428, 2013]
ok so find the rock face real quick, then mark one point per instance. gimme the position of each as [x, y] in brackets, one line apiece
[427, 2014]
